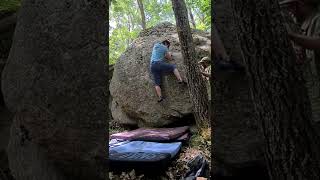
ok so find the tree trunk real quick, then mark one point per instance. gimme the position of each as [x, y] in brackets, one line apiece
[191, 17]
[143, 17]
[217, 45]
[131, 21]
[129, 28]
[131, 25]
[196, 84]
[278, 90]
[54, 83]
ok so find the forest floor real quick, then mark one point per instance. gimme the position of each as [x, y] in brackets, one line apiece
[199, 143]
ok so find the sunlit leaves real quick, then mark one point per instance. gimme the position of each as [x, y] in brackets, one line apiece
[202, 12]
[9, 5]
[125, 20]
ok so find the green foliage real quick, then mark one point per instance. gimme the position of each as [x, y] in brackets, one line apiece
[202, 138]
[202, 10]
[125, 20]
[9, 5]
[114, 127]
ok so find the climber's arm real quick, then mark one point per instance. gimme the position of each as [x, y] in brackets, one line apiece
[312, 43]
[205, 74]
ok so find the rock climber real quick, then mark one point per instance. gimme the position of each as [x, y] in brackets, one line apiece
[205, 70]
[159, 67]
[306, 14]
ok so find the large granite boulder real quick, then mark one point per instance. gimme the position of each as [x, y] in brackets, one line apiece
[132, 90]
[55, 85]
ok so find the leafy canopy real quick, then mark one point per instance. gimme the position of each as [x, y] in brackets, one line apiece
[125, 20]
[9, 5]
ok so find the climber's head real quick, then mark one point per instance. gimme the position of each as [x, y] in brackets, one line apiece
[166, 43]
[205, 62]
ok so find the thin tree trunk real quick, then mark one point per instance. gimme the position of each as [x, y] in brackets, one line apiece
[192, 18]
[279, 92]
[196, 84]
[128, 23]
[200, 16]
[132, 27]
[117, 22]
[131, 21]
[143, 17]
[129, 28]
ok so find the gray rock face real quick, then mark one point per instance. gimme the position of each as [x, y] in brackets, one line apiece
[55, 84]
[132, 89]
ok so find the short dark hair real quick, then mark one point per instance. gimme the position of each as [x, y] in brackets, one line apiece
[166, 42]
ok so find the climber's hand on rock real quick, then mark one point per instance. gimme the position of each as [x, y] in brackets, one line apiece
[169, 56]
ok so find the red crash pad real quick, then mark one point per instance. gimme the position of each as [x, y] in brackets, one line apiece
[154, 134]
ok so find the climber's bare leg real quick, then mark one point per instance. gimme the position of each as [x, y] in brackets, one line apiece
[177, 74]
[158, 90]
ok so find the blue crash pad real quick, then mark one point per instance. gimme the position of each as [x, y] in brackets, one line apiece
[147, 147]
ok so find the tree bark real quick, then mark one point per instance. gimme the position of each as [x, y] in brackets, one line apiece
[192, 18]
[54, 83]
[143, 17]
[217, 45]
[196, 84]
[279, 93]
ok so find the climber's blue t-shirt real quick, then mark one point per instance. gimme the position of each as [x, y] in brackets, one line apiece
[158, 52]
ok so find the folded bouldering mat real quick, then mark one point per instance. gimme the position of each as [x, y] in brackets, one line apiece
[154, 134]
[185, 137]
[148, 147]
[140, 161]
[117, 142]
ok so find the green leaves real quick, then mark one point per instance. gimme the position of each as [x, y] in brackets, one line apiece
[118, 42]
[9, 5]
[202, 12]
[125, 20]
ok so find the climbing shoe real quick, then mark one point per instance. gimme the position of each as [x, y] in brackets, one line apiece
[161, 99]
